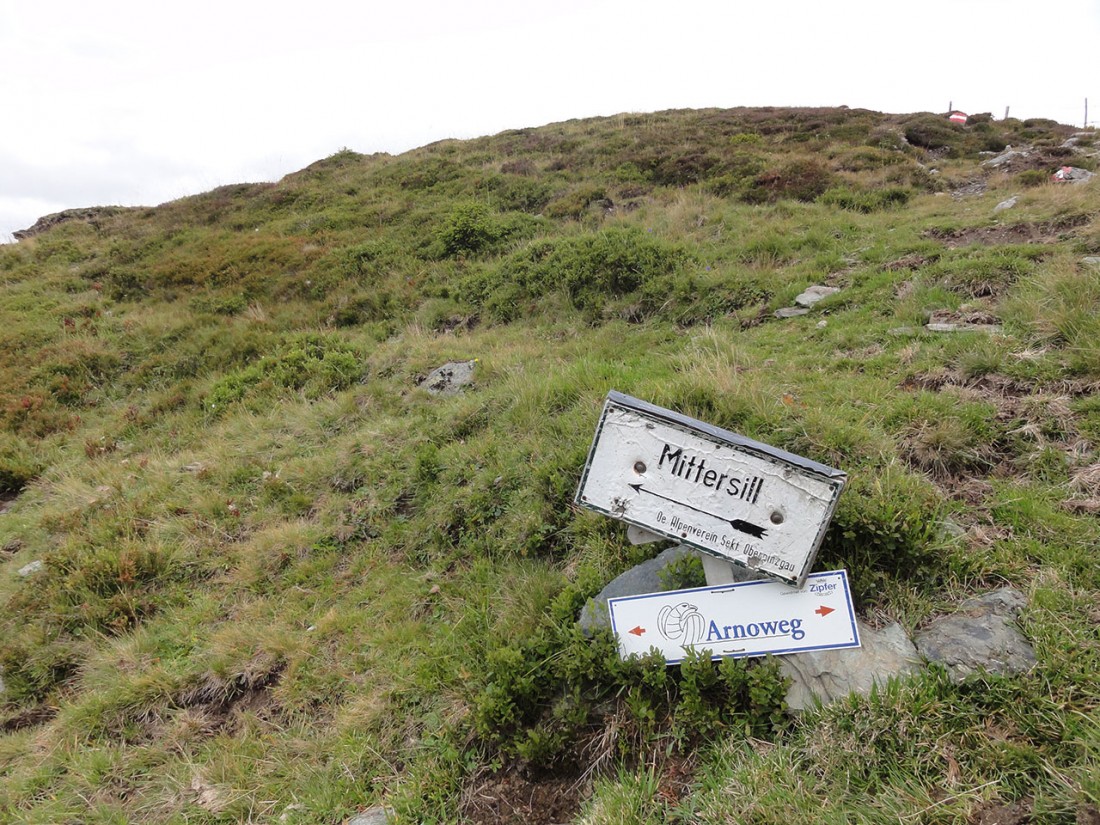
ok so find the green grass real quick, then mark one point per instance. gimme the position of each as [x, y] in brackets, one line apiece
[284, 583]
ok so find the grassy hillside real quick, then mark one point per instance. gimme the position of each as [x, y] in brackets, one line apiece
[281, 582]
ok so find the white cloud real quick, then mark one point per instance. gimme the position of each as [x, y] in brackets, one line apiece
[134, 102]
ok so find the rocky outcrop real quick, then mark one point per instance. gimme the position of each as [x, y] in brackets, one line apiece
[90, 214]
[981, 635]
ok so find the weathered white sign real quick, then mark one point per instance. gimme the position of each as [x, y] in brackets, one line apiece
[728, 495]
[735, 620]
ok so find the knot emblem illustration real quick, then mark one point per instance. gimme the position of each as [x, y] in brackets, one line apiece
[681, 623]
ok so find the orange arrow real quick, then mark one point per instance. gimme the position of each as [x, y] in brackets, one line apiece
[638, 631]
[824, 611]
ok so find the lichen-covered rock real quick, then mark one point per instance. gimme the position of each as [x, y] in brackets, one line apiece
[644, 578]
[981, 635]
[828, 675]
[813, 294]
[450, 378]
[30, 569]
[372, 816]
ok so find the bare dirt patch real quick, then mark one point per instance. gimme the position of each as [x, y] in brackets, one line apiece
[966, 317]
[219, 703]
[515, 796]
[994, 386]
[910, 262]
[997, 813]
[39, 715]
[1033, 416]
[511, 798]
[1088, 815]
[1043, 232]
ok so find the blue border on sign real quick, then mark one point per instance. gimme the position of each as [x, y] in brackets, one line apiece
[720, 588]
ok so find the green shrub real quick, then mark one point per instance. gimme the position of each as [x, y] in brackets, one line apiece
[363, 260]
[540, 697]
[310, 363]
[930, 131]
[515, 192]
[216, 304]
[884, 528]
[803, 179]
[469, 229]
[592, 270]
[866, 201]
[979, 272]
[577, 202]
[1032, 177]
[17, 463]
[683, 573]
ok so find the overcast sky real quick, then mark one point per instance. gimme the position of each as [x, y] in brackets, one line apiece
[137, 103]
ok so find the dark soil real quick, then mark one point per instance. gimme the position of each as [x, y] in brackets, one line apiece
[6, 500]
[28, 719]
[515, 796]
[996, 813]
[511, 798]
[1048, 232]
[222, 702]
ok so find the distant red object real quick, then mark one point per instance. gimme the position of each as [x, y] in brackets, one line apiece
[957, 117]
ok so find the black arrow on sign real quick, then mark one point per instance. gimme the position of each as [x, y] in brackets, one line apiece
[746, 527]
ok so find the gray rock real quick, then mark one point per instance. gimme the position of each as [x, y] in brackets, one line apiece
[904, 331]
[980, 636]
[1073, 174]
[791, 312]
[644, 578]
[372, 816]
[35, 566]
[813, 294]
[828, 675]
[1008, 204]
[1091, 260]
[1006, 157]
[951, 529]
[962, 328]
[451, 378]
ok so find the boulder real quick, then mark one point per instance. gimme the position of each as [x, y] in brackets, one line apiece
[981, 635]
[643, 578]
[1007, 157]
[813, 294]
[451, 378]
[791, 312]
[372, 816]
[1072, 174]
[828, 675]
[36, 566]
[1008, 204]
